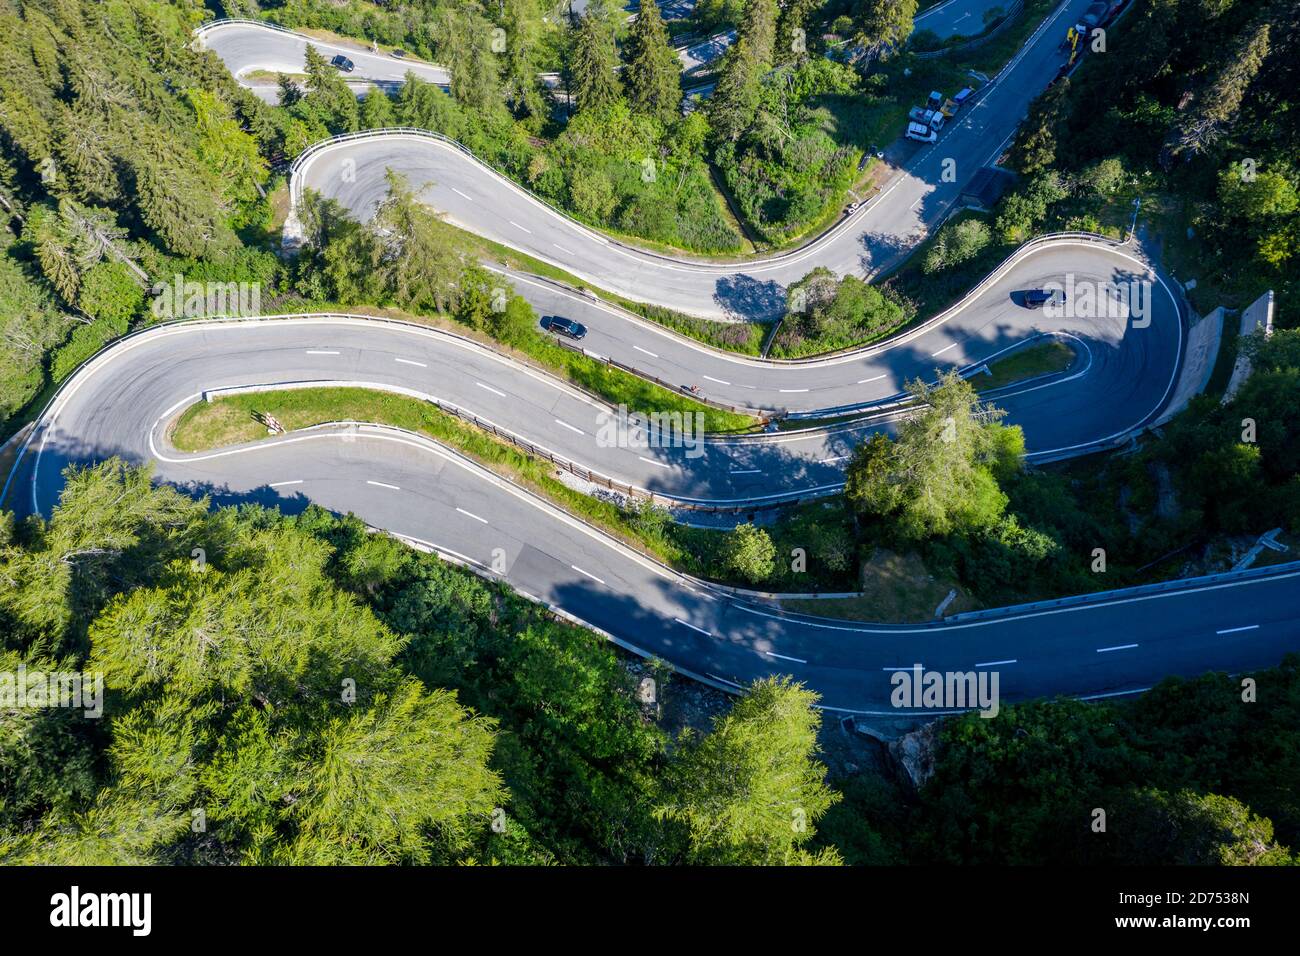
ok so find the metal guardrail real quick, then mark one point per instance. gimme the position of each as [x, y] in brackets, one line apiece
[228, 21]
[306, 154]
[295, 189]
[763, 417]
[528, 447]
[518, 441]
[1004, 266]
[1098, 597]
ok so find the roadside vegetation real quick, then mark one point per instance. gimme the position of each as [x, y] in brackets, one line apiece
[408, 257]
[1189, 775]
[827, 314]
[619, 156]
[103, 192]
[226, 672]
[508, 737]
[491, 732]
[949, 488]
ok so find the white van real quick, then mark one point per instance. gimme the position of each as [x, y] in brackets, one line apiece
[921, 132]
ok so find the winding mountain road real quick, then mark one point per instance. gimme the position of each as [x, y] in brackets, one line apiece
[122, 401]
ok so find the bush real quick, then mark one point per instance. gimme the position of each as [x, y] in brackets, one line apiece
[592, 194]
[956, 244]
[830, 316]
[84, 342]
[109, 292]
[1105, 178]
[749, 552]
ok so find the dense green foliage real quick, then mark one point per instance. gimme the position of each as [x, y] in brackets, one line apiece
[941, 473]
[784, 148]
[249, 682]
[625, 161]
[1190, 773]
[825, 314]
[136, 151]
[1205, 132]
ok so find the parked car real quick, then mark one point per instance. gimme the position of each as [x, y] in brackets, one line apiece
[340, 62]
[1042, 297]
[562, 326]
[399, 54]
[921, 133]
[931, 118]
[1096, 13]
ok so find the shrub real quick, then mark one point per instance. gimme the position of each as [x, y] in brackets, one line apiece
[749, 552]
[84, 342]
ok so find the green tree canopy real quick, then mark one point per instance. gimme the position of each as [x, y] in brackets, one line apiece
[941, 473]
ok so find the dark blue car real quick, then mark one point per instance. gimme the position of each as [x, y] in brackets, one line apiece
[562, 326]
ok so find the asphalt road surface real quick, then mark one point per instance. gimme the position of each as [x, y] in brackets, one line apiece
[253, 48]
[876, 236]
[122, 402]
[958, 17]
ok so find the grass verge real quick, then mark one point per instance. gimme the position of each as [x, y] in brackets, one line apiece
[895, 588]
[693, 550]
[1045, 358]
[745, 338]
[229, 420]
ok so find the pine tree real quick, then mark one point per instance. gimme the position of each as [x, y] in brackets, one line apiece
[750, 792]
[758, 26]
[653, 70]
[1216, 108]
[521, 86]
[884, 25]
[376, 110]
[791, 36]
[735, 99]
[595, 60]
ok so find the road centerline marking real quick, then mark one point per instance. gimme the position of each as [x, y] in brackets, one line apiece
[587, 574]
[693, 627]
[1234, 630]
[797, 660]
[383, 484]
[1117, 647]
[470, 514]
